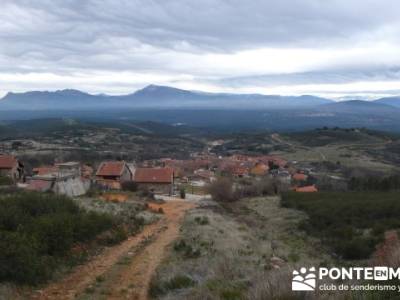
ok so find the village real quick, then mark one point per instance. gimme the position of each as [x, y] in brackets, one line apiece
[183, 207]
[165, 176]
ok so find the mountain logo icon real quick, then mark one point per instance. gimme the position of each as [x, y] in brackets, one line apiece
[304, 280]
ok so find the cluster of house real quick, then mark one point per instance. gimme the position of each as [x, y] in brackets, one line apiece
[158, 176]
[11, 167]
[203, 169]
[113, 174]
[75, 179]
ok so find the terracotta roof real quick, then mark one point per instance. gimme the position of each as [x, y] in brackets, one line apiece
[299, 177]
[7, 161]
[307, 189]
[259, 169]
[111, 168]
[275, 159]
[45, 170]
[240, 171]
[153, 175]
[39, 185]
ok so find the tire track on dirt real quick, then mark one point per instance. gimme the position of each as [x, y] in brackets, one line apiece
[134, 278]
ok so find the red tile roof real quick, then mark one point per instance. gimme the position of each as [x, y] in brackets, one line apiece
[240, 171]
[7, 161]
[307, 189]
[111, 168]
[45, 170]
[299, 177]
[153, 175]
[39, 185]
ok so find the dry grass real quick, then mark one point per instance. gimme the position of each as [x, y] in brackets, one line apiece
[235, 252]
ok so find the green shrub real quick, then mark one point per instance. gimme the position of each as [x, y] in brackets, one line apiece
[222, 190]
[20, 259]
[373, 183]
[5, 180]
[180, 245]
[179, 282]
[227, 290]
[37, 231]
[187, 250]
[182, 193]
[202, 220]
[352, 223]
[175, 283]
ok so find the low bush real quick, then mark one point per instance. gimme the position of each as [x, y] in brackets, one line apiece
[4, 180]
[222, 190]
[182, 193]
[352, 223]
[175, 283]
[146, 193]
[374, 183]
[37, 232]
[186, 249]
[130, 186]
[202, 220]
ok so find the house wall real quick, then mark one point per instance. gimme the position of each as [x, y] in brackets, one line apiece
[12, 173]
[72, 186]
[158, 188]
[126, 175]
[108, 184]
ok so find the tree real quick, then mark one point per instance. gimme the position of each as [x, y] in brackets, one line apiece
[182, 193]
[222, 190]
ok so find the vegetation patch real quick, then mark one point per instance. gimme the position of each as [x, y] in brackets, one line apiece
[352, 223]
[202, 220]
[186, 249]
[5, 180]
[175, 283]
[227, 290]
[38, 232]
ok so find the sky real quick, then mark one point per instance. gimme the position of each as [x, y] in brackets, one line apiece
[340, 49]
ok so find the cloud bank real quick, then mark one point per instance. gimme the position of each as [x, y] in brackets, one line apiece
[331, 48]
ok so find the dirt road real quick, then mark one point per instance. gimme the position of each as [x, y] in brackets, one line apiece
[123, 271]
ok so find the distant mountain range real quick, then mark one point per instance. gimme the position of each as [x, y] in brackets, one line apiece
[164, 97]
[153, 96]
[393, 101]
[231, 112]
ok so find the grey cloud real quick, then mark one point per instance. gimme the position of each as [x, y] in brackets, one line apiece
[210, 24]
[69, 36]
[314, 77]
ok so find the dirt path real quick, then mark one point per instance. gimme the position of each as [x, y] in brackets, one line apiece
[130, 279]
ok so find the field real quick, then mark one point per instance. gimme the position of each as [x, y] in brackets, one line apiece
[37, 142]
[353, 148]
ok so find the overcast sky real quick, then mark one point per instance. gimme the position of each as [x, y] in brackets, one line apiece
[333, 48]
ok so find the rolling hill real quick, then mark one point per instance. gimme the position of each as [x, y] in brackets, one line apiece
[228, 112]
[393, 101]
[359, 107]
